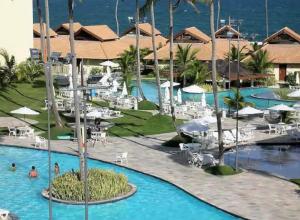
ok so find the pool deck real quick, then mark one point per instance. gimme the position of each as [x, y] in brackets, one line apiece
[251, 195]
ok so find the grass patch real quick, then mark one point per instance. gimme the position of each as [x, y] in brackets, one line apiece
[139, 123]
[102, 185]
[222, 170]
[147, 105]
[296, 181]
[176, 140]
[100, 103]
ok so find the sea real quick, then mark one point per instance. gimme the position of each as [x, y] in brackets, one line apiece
[250, 13]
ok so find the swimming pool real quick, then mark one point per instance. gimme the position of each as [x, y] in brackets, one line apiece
[279, 160]
[149, 88]
[154, 200]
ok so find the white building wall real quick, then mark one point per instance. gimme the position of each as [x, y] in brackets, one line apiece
[291, 68]
[16, 20]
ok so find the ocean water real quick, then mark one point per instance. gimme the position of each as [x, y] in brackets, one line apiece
[281, 13]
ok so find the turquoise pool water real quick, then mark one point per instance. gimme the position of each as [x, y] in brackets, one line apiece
[149, 88]
[154, 200]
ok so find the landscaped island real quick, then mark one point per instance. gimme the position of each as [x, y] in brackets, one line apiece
[103, 186]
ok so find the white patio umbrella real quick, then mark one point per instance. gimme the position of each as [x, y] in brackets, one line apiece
[193, 89]
[24, 111]
[249, 111]
[167, 84]
[124, 90]
[167, 94]
[192, 127]
[108, 64]
[296, 105]
[203, 100]
[94, 114]
[179, 96]
[205, 120]
[281, 107]
[294, 94]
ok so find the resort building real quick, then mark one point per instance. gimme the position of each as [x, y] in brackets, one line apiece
[17, 38]
[37, 31]
[63, 29]
[224, 32]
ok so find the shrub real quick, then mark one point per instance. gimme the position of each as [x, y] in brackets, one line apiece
[291, 79]
[222, 170]
[102, 185]
[296, 181]
[176, 140]
[283, 94]
[270, 81]
[147, 105]
[95, 71]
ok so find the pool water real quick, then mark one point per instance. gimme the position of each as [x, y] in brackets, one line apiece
[154, 200]
[149, 88]
[279, 160]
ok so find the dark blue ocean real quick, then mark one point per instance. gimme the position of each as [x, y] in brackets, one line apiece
[281, 13]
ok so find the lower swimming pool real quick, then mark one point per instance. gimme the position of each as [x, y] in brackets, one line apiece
[149, 88]
[154, 200]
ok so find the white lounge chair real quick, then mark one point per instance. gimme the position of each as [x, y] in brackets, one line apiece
[209, 160]
[40, 142]
[4, 214]
[183, 147]
[195, 159]
[272, 128]
[122, 157]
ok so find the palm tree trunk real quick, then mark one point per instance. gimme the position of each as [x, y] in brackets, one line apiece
[42, 33]
[74, 78]
[218, 16]
[171, 27]
[267, 18]
[156, 68]
[138, 57]
[116, 17]
[215, 86]
[57, 118]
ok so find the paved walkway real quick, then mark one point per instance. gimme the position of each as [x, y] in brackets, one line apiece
[251, 195]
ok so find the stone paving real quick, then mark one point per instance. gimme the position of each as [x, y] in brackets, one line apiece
[251, 195]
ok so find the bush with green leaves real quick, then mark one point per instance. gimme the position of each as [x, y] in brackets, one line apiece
[28, 71]
[283, 94]
[102, 185]
[222, 170]
[95, 71]
[291, 79]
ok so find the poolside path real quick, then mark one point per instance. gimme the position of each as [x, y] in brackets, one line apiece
[251, 195]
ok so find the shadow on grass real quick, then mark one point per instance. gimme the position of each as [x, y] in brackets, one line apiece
[29, 97]
[39, 84]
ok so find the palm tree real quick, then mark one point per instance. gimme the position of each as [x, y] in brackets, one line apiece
[260, 62]
[184, 56]
[28, 71]
[197, 72]
[116, 17]
[236, 54]
[49, 79]
[7, 71]
[214, 79]
[237, 100]
[218, 16]
[149, 6]
[74, 79]
[126, 63]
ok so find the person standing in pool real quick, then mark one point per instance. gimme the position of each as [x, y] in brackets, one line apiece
[13, 167]
[33, 172]
[56, 169]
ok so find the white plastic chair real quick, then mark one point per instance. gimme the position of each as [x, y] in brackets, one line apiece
[4, 214]
[12, 131]
[30, 132]
[39, 142]
[272, 128]
[122, 157]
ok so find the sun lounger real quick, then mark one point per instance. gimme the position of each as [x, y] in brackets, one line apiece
[209, 160]
[122, 157]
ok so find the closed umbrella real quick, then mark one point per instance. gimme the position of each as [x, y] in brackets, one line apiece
[115, 86]
[167, 95]
[294, 94]
[249, 111]
[203, 100]
[193, 89]
[124, 90]
[179, 96]
[167, 84]
[24, 111]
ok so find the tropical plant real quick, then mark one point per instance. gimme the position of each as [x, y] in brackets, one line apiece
[260, 62]
[236, 54]
[102, 185]
[291, 79]
[184, 56]
[95, 71]
[197, 72]
[7, 71]
[255, 47]
[149, 6]
[28, 71]
[236, 100]
[126, 63]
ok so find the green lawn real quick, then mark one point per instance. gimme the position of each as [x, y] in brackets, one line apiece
[133, 123]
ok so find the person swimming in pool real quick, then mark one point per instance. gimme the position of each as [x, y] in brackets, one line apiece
[56, 168]
[33, 172]
[13, 167]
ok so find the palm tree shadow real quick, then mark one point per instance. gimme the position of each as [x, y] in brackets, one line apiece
[29, 97]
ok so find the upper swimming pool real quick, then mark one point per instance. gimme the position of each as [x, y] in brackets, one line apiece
[149, 88]
[154, 200]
